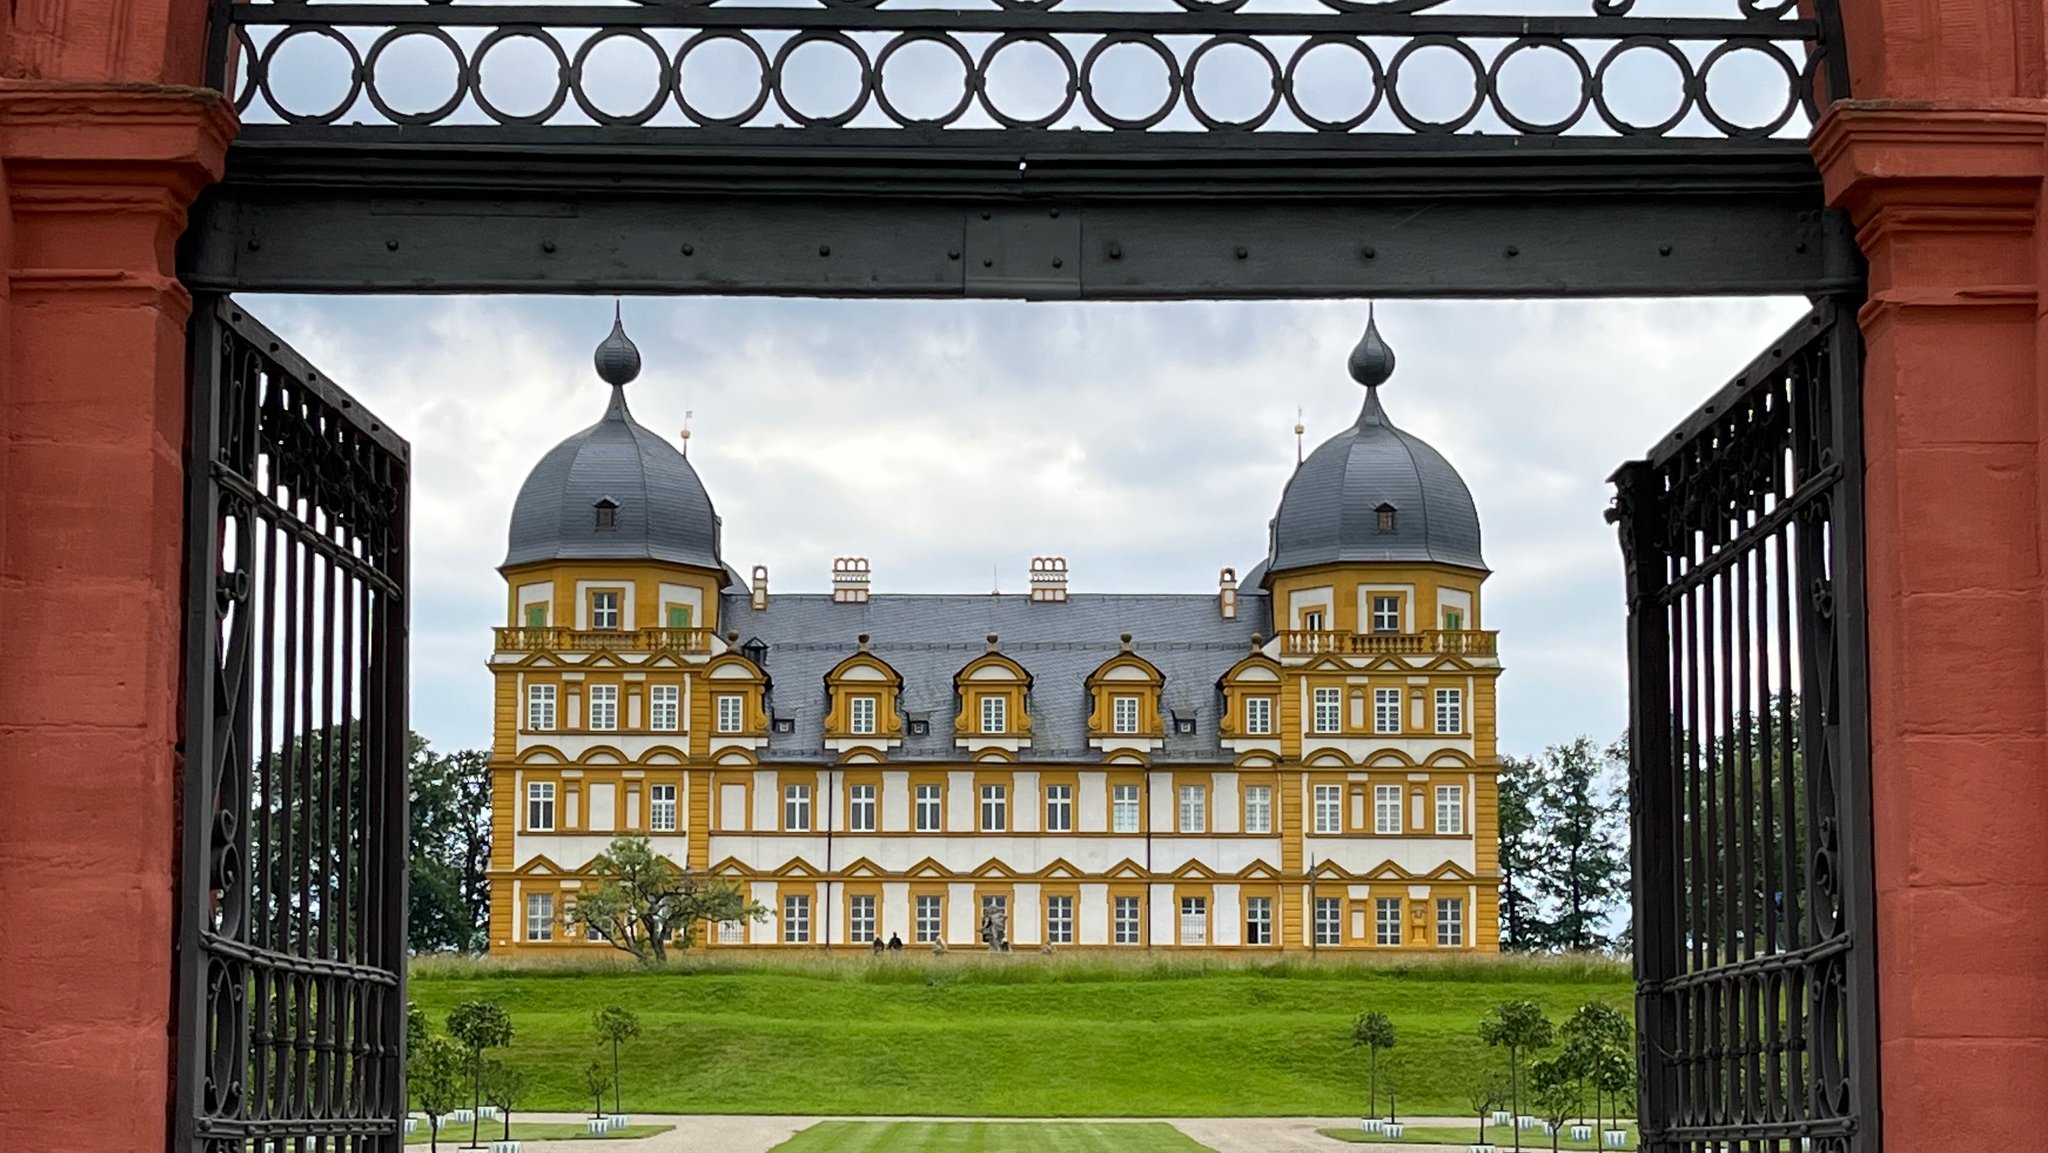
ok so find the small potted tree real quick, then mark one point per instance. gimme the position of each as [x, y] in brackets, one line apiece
[1372, 1032]
[1484, 1093]
[477, 1026]
[1614, 1075]
[1556, 1101]
[1392, 1128]
[502, 1087]
[597, 1079]
[615, 1026]
[435, 1072]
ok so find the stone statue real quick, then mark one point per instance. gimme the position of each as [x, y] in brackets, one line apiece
[995, 927]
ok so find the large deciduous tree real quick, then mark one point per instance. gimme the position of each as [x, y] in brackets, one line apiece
[641, 901]
[1583, 878]
[449, 900]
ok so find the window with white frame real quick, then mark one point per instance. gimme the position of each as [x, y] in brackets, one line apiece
[1329, 710]
[930, 909]
[860, 918]
[540, 806]
[995, 714]
[1386, 809]
[1450, 808]
[1386, 921]
[1386, 710]
[1258, 809]
[1194, 920]
[1194, 817]
[995, 805]
[929, 811]
[661, 808]
[604, 610]
[862, 716]
[731, 713]
[1124, 921]
[796, 920]
[732, 933]
[1059, 808]
[1450, 711]
[1312, 621]
[1123, 712]
[540, 916]
[796, 808]
[1327, 929]
[604, 708]
[540, 708]
[664, 708]
[1258, 920]
[1450, 921]
[1123, 809]
[1258, 716]
[1386, 614]
[1059, 920]
[1329, 808]
[860, 808]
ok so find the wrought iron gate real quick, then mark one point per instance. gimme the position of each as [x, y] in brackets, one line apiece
[1749, 772]
[292, 889]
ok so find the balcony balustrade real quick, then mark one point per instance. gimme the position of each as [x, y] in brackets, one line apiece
[1461, 642]
[529, 640]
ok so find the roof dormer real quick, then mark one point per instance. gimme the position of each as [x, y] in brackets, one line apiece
[994, 695]
[1123, 696]
[862, 697]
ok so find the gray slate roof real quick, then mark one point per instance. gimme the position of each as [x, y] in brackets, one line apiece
[929, 639]
[664, 513]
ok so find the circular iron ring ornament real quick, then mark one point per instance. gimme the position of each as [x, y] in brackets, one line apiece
[1472, 61]
[1768, 48]
[1530, 44]
[1274, 80]
[979, 80]
[882, 79]
[776, 76]
[663, 76]
[500, 35]
[1686, 81]
[1144, 40]
[698, 116]
[269, 56]
[246, 74]
[1379, 81]
[455, 57]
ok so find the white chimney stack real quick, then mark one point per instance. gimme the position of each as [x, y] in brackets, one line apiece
[1049, 579]
[850, 580]
[1226, 594]
[760, 587]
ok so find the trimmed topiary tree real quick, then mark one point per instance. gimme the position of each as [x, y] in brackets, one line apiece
[1519, 1027]
[477, 1026]
[1372, 1032]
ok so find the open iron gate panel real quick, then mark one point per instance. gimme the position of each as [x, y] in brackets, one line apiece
[292, 885]
[1749, 761]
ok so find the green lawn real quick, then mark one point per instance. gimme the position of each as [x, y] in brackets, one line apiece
[1017, 1036]
[989, 1137]
[454, 1135]
[1499, 1136]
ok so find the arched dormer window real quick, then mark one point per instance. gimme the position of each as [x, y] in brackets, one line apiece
[1124, 709]
[736, 703]
[993, 694]
[1252, 699]
[862, 699]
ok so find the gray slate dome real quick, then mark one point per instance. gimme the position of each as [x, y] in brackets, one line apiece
[661, 509]
[1331, 509]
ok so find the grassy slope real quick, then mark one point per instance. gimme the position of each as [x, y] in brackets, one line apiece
[981, 1137]
[1023, 1036]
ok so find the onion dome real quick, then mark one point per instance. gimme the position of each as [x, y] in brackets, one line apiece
[1373, 492]
[616, 490]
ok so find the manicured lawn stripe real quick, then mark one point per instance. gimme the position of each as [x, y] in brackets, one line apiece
[454, 1135]
[989, 1137]
[1464, 1136]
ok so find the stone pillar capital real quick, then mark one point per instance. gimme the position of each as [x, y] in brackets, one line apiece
[1876, 155]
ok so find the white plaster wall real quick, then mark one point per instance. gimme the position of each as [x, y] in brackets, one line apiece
[1419, 856]
[1091, 915]
[1026, 805]
[1091, 803]
[963, 804]
[767, 802]
[963, 914]
[574, 850]
[1165, 916]
[1225, 810]
[895, 802]
[1226, 917]
[1026, 913]
[604, 807]
[732, 806]
[769, 931]
[1163, 815]
[964, 854]
[894, 915]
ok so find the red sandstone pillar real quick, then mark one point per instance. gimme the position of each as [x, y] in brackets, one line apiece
[99, 157]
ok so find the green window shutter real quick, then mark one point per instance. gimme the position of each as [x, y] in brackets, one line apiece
[536, 616]
[679, 616]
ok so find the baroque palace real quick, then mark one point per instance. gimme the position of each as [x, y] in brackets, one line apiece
[1301, 760]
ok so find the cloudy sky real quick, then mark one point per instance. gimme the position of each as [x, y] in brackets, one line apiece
[950, 442]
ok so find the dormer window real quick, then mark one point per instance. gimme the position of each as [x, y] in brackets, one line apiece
[607, 511]
[756, 651]
[994, 715]
[1386, 518]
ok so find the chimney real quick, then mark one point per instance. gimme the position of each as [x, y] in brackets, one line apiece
[1226, 594]
[760, 587]
[1049, 579]
[850, 580]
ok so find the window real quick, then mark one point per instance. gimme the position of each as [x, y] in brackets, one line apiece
[862, 713]
[1386, 809]
[1454, 620]
[732, 933]
[1194, 920]
[540, 916]
[1329, 710]
[1386, 517]
[1450, 808]
[661, 808]
[796, 808]
[1193, 806]
[1124, 715]
[604, 610]
[1312, 621]
[1326, 927]
[607, 515]
[1123, 809]
[604, 708]
[1450, 921]
[1059, 808]
[860, 918]
[995, 715]
[1125, 921]
[1387, 921]
[994, 809]
[1059, 920]
[1386, 710]
[664, 708]
[540, 806]
[1386, 614]
[928, 811]
[860, 808]
[796, 920]
[1258, 920]
[1450, 712]
[1258, 716]
[929, 909]
[540, 708]
[679, 616]
[1329, 808]
[1258, 809]
[536, 616]
[730, 713]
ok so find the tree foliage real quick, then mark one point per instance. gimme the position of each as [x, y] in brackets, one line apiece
[1521, 855]
[449, 902]
[434, 1074]
[615, 1026]
[642, 902]
[597, 1079]
[502, 1086]
[1373, 1031]
[1485, 1092]
[1520, 1027]
[1563, 852]
[477, 1026]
